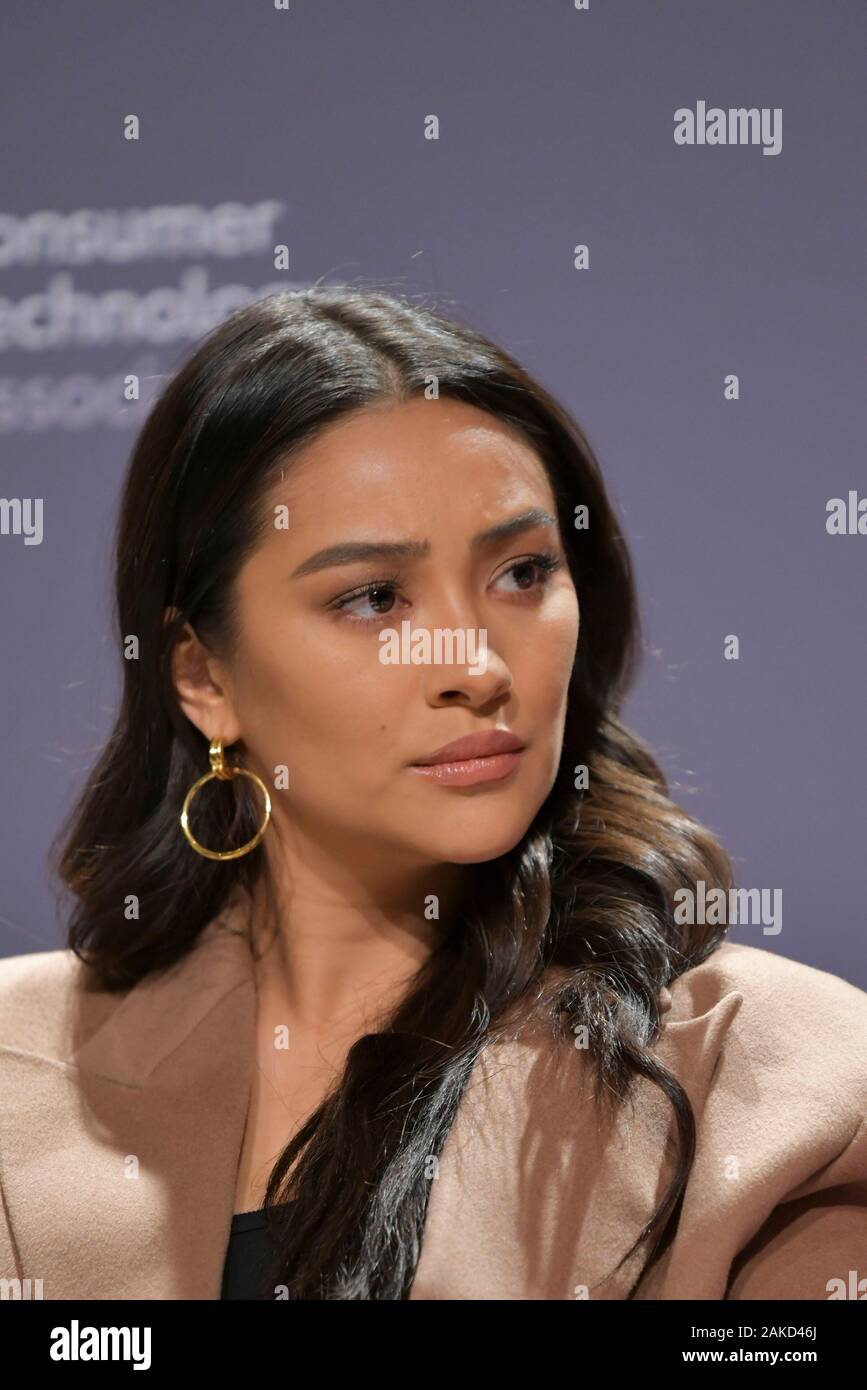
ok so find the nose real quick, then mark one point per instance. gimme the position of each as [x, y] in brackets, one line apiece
[457, 686]
[465, 666]
[468, 672]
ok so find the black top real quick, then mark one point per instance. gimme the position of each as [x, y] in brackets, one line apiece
[247, 1257]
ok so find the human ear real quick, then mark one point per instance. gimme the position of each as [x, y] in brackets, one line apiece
[202, 687]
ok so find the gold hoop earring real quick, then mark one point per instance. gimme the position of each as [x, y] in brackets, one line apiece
[224, 772]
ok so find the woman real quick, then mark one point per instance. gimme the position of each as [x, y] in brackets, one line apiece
[376, 941]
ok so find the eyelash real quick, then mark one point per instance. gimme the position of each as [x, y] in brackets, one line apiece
[547, 562]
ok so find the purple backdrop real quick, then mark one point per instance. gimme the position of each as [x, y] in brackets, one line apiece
[310, 128]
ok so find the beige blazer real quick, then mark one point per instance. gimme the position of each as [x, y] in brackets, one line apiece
[123, 1116]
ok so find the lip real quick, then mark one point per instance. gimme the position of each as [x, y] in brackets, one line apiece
[481, 745]
[485, 757]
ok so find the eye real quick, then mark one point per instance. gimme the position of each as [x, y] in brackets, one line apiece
[532, 572]
[379, 595]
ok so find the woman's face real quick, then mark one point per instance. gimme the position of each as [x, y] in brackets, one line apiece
[390, 518]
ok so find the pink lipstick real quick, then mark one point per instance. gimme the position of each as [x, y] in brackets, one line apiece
[482, 757]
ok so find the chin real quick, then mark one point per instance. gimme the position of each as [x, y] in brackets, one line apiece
[480, 848]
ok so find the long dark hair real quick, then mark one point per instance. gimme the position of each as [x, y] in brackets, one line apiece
[589, 889]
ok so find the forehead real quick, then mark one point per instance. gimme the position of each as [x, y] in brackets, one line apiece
[407, 463]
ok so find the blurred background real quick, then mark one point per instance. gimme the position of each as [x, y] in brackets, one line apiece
[164, 163]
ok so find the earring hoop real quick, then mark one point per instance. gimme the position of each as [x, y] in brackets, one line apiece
[224, 772]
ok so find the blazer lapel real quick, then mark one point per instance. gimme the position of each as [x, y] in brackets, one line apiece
[120, 1151]
[536, 1195]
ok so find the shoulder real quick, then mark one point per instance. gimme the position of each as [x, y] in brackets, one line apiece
[26, 979]
[777, 994]
[774, 1054]
[37, 994]
[786, 1035]
[766, 973]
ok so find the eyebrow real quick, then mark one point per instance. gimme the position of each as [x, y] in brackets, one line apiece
[351, 552]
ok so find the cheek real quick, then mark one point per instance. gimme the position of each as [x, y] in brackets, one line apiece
[323, 697]
[550, 662]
